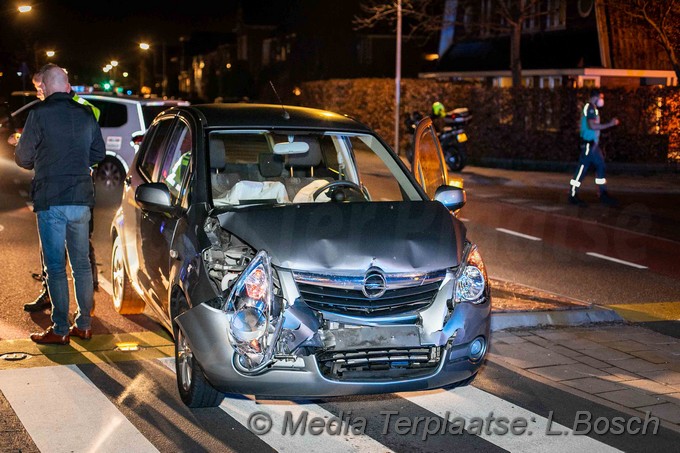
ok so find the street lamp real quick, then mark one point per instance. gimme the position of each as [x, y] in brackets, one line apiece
[142, 67]
[50, 53]
[164, 82]
[24, 8]
[114, 65]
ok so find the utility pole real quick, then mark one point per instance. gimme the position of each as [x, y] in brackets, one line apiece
[164, 83]
[397, 81]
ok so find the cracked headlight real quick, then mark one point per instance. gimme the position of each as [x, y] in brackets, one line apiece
[253, 326]
[471, 280]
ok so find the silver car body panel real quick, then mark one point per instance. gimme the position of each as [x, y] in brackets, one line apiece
[397, 237]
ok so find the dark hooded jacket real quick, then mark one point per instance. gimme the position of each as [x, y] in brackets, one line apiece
[60, 141]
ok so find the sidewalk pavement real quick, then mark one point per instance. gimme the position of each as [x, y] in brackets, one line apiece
[626, 367]
[516, 305]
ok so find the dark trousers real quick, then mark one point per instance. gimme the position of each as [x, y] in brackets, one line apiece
[591, 154]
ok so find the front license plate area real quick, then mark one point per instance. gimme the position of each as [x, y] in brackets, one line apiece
[376, 337]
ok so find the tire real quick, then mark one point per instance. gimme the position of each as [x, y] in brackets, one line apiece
[110, 173]
[455, 160]
[126, 301]
[194, 388]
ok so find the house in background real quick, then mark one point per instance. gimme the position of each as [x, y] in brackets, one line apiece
[309, 40]
[576, 43]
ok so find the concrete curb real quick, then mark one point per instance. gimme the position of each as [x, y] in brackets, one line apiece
[575, 317]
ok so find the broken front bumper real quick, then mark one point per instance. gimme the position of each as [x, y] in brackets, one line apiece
[206, 329]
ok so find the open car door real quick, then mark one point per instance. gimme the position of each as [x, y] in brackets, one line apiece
[428, 165]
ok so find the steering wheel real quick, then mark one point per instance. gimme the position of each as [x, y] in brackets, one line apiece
[339, 195]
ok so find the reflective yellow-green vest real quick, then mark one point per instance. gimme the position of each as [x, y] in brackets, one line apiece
[95, 110]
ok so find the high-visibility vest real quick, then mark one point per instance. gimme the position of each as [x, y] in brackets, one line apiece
[95, 110]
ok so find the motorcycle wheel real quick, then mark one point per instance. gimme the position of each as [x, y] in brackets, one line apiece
[456, 160]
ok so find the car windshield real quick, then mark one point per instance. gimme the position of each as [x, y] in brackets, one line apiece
[263, 167]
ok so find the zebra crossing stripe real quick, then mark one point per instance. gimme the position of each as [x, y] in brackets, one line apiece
[470, 402]
[242, 409]
[82, 419]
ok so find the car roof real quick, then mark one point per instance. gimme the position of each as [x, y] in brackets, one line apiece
[134, 99]
[269, 116]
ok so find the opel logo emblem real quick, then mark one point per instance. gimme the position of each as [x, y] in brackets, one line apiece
[375, 284]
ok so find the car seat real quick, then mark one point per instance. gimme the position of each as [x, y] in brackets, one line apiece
[220, 181]
[301, 167]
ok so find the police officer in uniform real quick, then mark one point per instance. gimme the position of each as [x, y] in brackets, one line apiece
[591, 154]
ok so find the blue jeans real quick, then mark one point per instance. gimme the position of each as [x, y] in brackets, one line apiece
[67, 228]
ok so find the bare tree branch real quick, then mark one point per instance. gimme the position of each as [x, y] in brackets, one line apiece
[661, 20]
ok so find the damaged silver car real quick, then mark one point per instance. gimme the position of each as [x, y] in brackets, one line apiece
[292, 253]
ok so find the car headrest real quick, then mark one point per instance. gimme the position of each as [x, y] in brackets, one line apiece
[270, 165]
[218, 160]
[311, 158]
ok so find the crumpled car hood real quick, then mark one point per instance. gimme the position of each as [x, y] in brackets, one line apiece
[397, 237]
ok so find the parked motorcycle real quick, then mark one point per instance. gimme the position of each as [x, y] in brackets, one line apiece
[451, 134]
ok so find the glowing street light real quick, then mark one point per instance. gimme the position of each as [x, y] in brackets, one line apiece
[144, 46]
[24, 8]
[50, 53]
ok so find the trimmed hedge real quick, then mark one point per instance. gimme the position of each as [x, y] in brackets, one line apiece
[516, 123]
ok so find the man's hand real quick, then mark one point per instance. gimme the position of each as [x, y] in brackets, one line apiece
[13, 139]
[614, 122]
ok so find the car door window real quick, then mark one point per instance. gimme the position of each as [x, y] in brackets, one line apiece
[428, 160]
[152, 152]
[375, 175]
[177, 159]
[112, 114]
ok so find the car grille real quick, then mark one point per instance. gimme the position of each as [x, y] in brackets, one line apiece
[393, 363]
[343, 295]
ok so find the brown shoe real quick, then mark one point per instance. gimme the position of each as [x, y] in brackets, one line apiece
[49, 337]
[83, 334]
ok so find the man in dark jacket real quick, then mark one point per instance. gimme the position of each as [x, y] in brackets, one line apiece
[61, 140]
[43, 300]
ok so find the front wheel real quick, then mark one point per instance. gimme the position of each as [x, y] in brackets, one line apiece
[126, 301]
[194, 388]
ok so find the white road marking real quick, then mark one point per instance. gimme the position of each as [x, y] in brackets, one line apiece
[521, 235]
[487, 195]
[616, 260]
[242, 409]
[469, 402]
[516, 200]
[23, 193]
[105, 284]
[547, 208]
[89, 422]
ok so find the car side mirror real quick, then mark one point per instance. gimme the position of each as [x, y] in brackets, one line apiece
[452, 197]
[154, 197]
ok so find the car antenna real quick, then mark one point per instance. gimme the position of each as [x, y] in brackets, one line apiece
[286, 116]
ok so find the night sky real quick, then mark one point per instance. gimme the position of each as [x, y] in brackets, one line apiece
[88, 34]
